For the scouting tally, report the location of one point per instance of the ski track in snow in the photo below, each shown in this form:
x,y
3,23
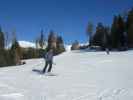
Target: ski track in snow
x,y
81,75
116,94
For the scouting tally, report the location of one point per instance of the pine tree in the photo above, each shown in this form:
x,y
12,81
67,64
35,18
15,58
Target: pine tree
x,y
114,32
90,32
2,39
60,45
75,45
99,35
15,51
2,50
52,39
121,30
106,38
42,40
118,35
129,28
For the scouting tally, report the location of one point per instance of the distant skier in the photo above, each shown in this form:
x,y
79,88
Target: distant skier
x,y
48,60
107,51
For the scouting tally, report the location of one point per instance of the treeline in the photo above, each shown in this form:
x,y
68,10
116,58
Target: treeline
x,y
12,55
117,37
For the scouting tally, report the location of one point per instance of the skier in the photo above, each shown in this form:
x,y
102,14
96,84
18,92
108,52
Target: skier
x,y
48,60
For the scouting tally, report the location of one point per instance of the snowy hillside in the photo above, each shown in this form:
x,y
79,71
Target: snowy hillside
x,y
79,76
27,44
68,47
24,44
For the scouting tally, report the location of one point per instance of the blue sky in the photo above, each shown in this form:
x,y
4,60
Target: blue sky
x,y
68,18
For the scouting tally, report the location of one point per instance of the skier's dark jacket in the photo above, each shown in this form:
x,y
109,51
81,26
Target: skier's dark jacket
x,y
49,56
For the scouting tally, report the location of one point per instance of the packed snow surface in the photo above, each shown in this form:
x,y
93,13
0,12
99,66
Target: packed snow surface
x,y
79,75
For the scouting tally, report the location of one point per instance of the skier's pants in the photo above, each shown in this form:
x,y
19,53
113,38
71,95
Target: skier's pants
x,y
46,65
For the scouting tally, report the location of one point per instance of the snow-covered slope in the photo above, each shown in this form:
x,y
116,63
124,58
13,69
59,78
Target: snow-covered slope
x,y
68,48
79,76
24,44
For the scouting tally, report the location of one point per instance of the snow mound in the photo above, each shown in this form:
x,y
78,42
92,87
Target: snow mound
x,y
26,44
68,47
84,44
116,94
